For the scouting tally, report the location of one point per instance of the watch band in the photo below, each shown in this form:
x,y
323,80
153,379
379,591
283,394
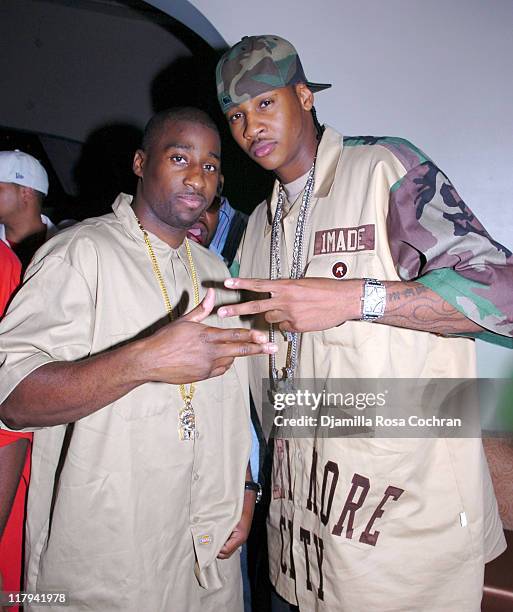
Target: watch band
x,y
256,487
374,299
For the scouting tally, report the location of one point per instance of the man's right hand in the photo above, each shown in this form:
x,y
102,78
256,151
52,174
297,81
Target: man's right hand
x,y
182,352
187,350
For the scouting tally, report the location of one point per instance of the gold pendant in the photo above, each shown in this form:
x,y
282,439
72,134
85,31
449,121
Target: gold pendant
x,y
187,422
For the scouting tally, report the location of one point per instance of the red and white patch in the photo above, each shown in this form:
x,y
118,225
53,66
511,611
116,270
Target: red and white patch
x,y
339,269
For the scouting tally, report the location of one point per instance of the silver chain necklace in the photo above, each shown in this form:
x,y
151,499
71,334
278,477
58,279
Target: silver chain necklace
x,y
296,272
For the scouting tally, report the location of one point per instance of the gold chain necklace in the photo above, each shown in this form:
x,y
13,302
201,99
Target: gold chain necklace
x,y
186,416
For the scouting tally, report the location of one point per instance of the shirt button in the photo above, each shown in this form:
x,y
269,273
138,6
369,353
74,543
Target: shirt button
x,y
195,476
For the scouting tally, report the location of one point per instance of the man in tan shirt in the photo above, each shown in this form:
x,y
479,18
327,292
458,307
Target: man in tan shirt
x,y
367,246
139,464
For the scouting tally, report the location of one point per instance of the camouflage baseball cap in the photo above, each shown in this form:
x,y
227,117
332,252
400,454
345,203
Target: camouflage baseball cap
x,y
258,64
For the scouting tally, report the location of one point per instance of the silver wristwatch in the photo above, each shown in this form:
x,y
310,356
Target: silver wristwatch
x,y
374,299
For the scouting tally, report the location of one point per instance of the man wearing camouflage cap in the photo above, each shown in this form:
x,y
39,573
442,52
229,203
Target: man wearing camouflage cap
x,y
377,270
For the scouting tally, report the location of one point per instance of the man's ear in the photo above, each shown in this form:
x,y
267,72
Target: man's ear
x,y
27,196
138,163
305,96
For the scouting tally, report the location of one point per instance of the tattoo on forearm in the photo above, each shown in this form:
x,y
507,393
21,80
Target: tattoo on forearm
x,y
426,311
396,296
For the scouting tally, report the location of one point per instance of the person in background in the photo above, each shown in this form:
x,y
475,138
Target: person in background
x,y
23,187
23,229
220,228
10,276
14,459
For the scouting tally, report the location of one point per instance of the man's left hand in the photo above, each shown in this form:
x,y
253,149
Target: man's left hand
x,y
240,532
307,304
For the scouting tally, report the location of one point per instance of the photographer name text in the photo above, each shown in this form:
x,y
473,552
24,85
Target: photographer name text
x,y
360,420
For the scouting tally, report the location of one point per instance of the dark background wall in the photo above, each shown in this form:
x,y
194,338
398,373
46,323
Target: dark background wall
x,y
85,76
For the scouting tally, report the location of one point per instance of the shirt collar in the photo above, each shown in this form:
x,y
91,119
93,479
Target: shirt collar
x,y
51,230
226,214
328,156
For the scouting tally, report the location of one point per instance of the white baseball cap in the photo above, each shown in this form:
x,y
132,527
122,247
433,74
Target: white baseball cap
x,y
23,169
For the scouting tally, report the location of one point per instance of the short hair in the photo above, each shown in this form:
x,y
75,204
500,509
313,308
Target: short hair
x,y
176,114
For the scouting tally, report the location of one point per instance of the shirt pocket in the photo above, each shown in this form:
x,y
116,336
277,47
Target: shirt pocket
x,y
351,335
344,266
148,400
154,399
158,398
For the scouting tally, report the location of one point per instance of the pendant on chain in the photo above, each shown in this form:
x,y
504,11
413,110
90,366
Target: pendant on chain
x,y
187,422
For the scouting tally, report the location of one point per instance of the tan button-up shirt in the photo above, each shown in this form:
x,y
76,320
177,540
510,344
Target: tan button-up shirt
x,y
122,515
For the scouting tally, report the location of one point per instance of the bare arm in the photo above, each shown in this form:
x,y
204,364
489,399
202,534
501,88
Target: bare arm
x,y
12,458
181,352
63,392
413,306
241,531
313,304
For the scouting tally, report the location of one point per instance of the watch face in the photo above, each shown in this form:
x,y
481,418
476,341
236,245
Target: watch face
x,y
374,300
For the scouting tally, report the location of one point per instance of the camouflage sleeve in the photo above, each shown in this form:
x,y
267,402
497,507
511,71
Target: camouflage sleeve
x,y
436,240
